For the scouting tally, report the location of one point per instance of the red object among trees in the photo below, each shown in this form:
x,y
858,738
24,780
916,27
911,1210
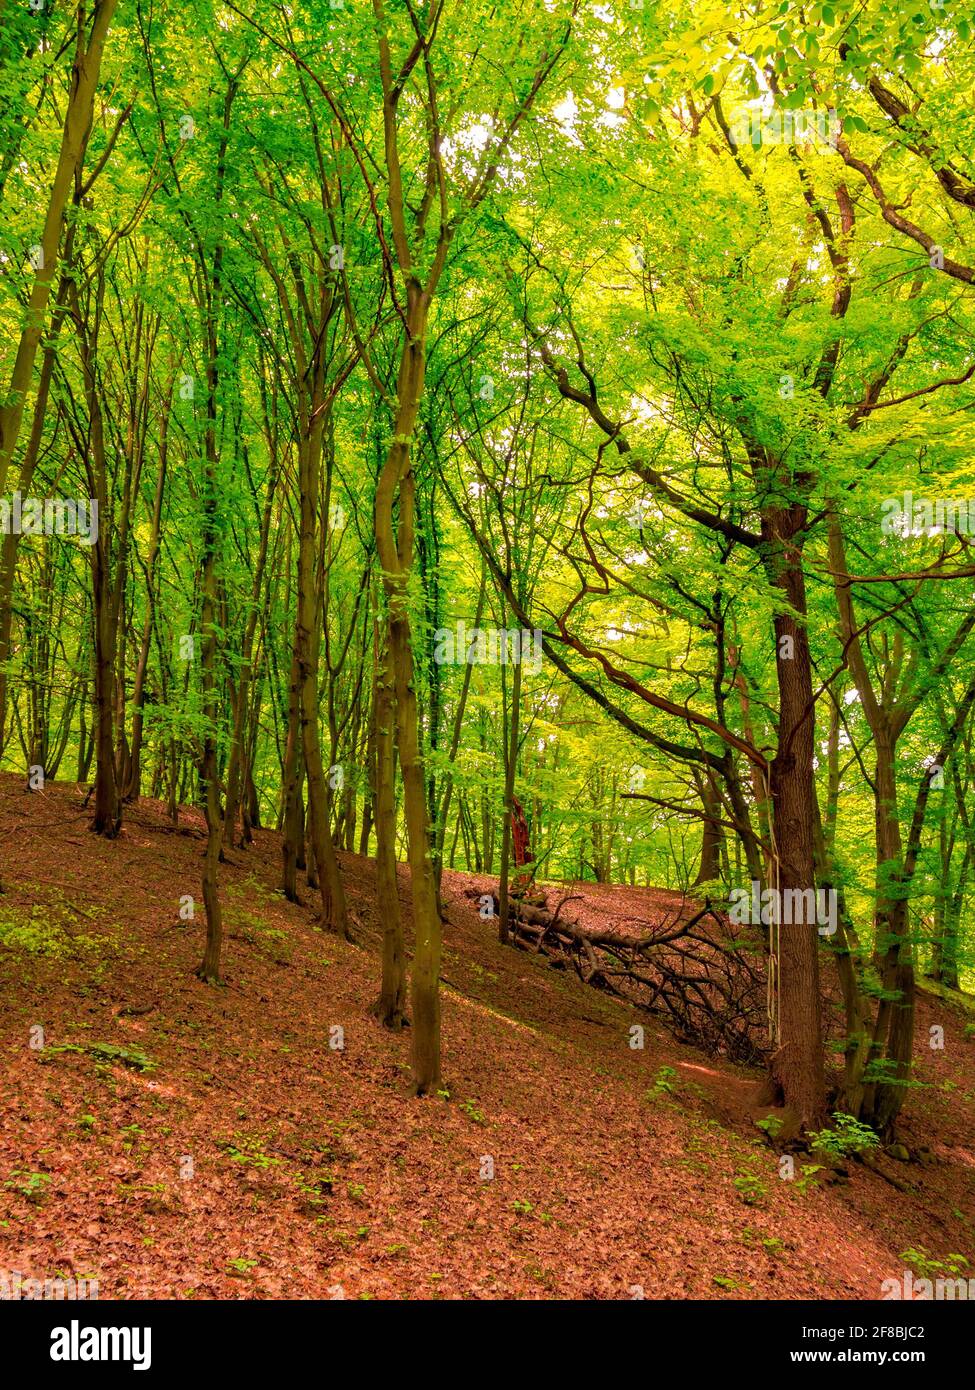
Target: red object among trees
x,y
519,833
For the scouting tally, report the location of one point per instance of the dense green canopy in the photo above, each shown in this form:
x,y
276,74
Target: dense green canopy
x,y
644,330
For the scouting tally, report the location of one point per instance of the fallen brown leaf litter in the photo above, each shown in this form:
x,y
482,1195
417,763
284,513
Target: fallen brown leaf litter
x,y
180,1141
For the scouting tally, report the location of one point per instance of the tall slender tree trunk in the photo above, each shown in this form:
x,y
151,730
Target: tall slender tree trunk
x,y
396,559
107,815
209,969
512,738
390,1008
307,644
77,126
235,765
292,822
132,787
894,1024
210,966
8,556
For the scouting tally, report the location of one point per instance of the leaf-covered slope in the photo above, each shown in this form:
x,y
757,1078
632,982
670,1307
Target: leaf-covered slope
x,y
180,1141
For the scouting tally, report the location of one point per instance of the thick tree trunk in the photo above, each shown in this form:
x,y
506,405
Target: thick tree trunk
x,y
797,1065
711,837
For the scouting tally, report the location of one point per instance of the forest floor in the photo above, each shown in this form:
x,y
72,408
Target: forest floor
x,y
181,1141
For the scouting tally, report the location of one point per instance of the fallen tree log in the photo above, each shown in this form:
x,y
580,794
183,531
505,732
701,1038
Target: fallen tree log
x,y
690,970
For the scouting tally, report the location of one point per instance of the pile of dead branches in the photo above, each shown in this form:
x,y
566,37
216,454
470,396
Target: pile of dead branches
x,y
688,969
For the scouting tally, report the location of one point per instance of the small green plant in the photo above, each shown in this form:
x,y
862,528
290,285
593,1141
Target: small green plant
x,y
663,1083
522,1207
241,1266
39,931
32,1186
771,1125
471,1111
807,1178
249,1150
315,1189
847,1136
750,1188
133,1057
926,1266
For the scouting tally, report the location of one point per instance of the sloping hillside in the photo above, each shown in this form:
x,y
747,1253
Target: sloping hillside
x,y
175,1140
